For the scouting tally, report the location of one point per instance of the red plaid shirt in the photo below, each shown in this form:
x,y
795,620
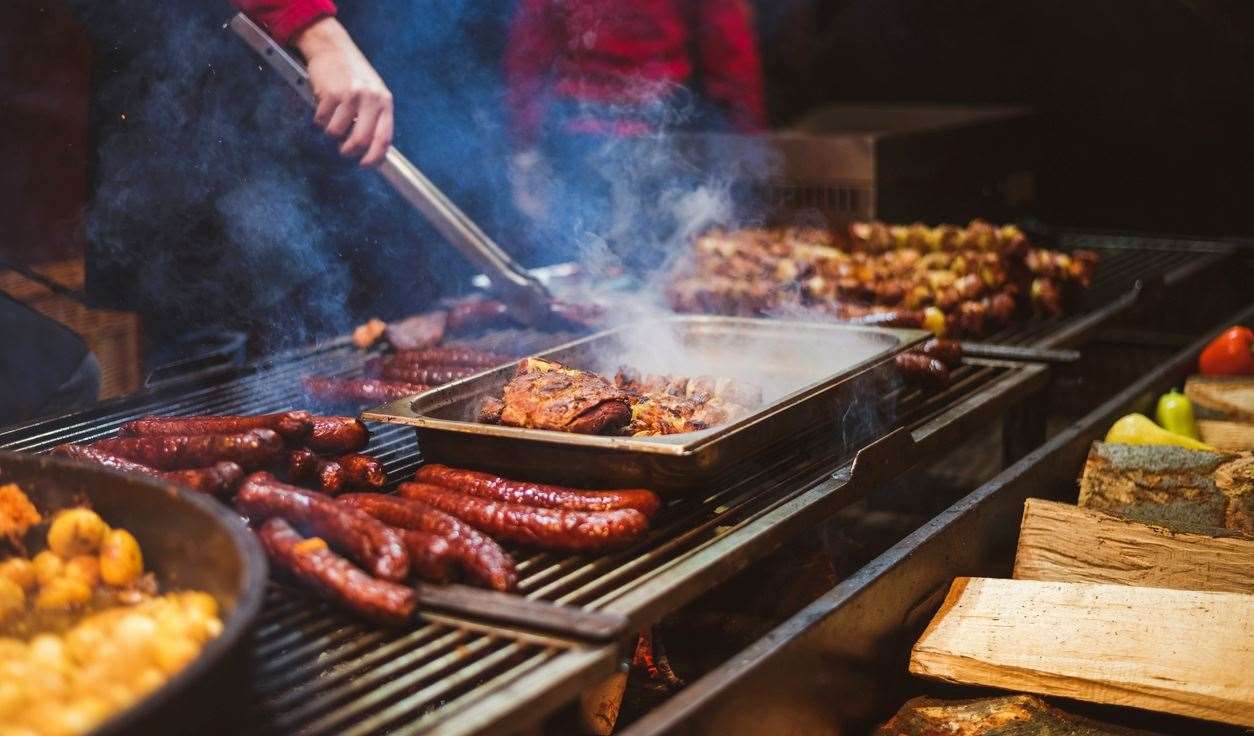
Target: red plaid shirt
x,y
283,18
623,53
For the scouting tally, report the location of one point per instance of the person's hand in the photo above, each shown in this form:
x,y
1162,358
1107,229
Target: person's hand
x,y
530,184
353,102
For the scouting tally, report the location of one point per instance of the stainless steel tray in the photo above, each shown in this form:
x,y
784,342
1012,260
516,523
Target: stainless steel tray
x,y
815,379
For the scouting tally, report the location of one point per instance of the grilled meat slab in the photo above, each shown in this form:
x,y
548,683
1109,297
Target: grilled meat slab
x,y
547,395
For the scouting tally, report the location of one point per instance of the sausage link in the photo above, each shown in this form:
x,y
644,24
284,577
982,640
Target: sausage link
x,y
451,357
217,480
922,370
255,448
362,537
335,577
486,485
330,475
557,529
293,426
426,375
359,390
430,555
299,465
362,471
337,435
477,314
478,555
948,352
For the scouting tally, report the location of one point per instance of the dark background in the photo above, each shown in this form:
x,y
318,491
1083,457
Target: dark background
x,y
1146,103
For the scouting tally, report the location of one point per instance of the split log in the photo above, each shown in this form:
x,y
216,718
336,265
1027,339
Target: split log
x,y
1174,651
1068,544
1184,490
1029,715
1222,397
1232,436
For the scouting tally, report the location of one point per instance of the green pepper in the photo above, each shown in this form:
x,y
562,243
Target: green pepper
x,y
1175,414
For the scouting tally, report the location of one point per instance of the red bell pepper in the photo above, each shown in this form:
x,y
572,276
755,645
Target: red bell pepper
x,y
1231,354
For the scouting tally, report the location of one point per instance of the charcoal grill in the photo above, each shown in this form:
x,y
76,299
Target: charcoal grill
x,y
841,661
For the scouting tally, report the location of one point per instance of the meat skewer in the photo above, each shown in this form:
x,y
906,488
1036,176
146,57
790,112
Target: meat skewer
x,y
558,529
338,435
293,426
257,448
479,556
216,480
359,390
310,561
359,535
486,485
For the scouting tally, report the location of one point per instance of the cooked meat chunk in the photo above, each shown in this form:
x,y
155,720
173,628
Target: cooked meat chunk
x,y
547,395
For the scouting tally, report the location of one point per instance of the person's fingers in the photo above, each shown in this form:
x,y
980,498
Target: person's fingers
x,y
363,129
326,107
342,119
382,138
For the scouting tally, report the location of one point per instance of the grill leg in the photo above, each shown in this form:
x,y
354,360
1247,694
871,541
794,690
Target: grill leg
x,y
1022,430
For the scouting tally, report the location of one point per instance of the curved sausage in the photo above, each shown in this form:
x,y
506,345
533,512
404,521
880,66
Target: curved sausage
x,y
293,426
426,375
451,357
478,555
362,537
922,370
557,529
948,352
338,435
299,465
486,485
217,480
256,448
312,563
430,555
477,314
359,390
362,471
330,476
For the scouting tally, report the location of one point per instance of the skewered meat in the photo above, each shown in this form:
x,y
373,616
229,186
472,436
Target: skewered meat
x,y
547,395
359,390
486,485
256,448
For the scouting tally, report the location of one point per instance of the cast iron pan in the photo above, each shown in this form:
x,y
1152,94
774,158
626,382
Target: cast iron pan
x,y
189,541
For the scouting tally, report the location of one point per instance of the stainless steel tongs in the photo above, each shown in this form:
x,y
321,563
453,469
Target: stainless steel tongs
x,y
510,280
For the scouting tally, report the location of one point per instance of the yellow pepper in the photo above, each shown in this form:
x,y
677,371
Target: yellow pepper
x,y
1137,429
1175,414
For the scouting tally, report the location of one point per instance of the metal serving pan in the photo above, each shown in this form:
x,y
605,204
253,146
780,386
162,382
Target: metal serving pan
x,y
189,541
811,375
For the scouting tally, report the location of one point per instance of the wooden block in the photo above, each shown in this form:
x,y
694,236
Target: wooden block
x,y
1231,436
1183,490
1175,651
1230,397
1022,715
1065,543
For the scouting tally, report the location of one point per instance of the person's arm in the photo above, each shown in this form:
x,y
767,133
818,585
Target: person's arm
x,y
353,102
533,46
729,67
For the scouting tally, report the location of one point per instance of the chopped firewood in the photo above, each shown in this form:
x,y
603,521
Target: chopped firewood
x,y
1181,489
1227,435
1021,715
1175,651
1065,543
1222,397
599,705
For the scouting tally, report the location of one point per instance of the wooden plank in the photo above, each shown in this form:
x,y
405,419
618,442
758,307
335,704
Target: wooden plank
x,y
1230,397
1227,435
1022,715
1065,543
1176,651
1184,490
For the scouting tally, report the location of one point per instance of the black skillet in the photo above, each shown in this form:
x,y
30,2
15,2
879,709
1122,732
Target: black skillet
x,y
189,541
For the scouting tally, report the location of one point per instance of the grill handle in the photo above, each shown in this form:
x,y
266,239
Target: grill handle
x,y
529,298
503,608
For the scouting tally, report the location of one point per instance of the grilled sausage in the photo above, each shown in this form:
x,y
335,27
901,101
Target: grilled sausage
x,y
338,435
430,555
359,390
486,485
362,471
922,370
478,555
362,537
948,352
330,476
477,314
426,375
293,426
557,529
311,562
255,448
299,465
217,480
451,357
